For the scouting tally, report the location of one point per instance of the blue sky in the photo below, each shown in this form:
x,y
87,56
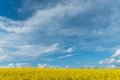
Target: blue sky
x,y
62,33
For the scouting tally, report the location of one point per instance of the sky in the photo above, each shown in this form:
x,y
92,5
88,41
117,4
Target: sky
x,y
60,33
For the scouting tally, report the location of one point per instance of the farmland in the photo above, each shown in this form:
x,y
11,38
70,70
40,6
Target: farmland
x,y
58,74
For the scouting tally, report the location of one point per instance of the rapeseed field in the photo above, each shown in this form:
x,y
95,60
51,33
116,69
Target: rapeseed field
x,y
58,74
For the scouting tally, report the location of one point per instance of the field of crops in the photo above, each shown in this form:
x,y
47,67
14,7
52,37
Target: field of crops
x,y
59,74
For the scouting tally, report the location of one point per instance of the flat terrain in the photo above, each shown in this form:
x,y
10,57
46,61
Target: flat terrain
x,y
58,74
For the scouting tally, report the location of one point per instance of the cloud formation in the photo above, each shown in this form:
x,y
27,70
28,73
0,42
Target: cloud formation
x,y
80,23
65,56
51,66
114,59
69,50
16,65
15,36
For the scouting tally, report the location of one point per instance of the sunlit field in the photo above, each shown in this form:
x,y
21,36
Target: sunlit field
x,y
58,74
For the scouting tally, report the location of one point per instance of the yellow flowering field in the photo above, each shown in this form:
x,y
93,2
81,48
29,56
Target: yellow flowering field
x,y
58,74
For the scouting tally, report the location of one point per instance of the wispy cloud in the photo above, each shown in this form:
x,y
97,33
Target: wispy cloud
x,y
47,66
69,50
16,35
80,23
65,56
33,50
107,61
114,59
16,65
51,66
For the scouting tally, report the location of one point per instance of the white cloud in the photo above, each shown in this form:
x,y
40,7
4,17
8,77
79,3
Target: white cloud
x,y
43,65
114,59
45,17
17,65
25,50
46,66
18,33
28,65
3,57
47,21
51,66
111,66
107,61
117,53
69,50
65,56
34,50
117,61
11,65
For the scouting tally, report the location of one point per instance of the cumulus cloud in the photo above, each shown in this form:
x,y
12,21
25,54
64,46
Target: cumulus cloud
x,y
28,65
11,65
107,61
113,59
51,66
18,65
43,65
47,66
23,65
117,53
